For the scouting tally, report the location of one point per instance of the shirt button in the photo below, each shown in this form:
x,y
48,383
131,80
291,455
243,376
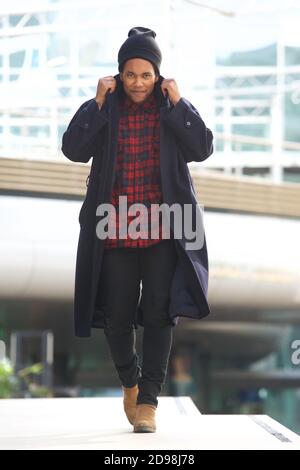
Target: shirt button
x,y
188,123
86,125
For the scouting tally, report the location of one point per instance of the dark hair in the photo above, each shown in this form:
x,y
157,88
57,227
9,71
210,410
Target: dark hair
x,y
155,69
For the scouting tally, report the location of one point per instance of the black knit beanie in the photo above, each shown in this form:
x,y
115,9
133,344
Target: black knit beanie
x,y
140,44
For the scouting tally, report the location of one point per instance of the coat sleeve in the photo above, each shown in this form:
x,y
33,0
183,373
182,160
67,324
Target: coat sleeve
x,y
196,140
83,135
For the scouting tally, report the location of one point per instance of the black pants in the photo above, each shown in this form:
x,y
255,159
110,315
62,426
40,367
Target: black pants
x,y
122,271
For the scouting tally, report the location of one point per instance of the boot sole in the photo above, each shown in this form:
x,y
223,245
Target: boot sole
x,y
144,429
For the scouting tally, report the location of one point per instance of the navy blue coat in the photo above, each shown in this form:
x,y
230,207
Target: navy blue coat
x,y
183,138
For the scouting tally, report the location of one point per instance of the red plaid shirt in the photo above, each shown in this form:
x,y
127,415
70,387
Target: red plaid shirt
x,y
137,171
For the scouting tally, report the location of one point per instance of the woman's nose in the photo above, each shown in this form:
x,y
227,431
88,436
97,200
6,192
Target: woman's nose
x,y
138,81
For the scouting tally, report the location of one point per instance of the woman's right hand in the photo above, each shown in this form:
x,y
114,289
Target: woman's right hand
x,y
105,84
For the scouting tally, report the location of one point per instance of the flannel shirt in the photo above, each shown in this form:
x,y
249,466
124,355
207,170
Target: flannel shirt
x,y
137,172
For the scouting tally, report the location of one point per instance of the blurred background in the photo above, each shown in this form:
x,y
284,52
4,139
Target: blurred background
x,y
239,64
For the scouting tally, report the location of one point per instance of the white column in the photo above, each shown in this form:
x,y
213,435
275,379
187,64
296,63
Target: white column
x,y
277,115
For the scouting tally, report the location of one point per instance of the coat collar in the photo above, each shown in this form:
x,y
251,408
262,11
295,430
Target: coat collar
x,y
163,101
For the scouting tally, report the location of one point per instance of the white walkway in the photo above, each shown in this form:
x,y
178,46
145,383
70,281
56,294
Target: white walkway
x,y
100,423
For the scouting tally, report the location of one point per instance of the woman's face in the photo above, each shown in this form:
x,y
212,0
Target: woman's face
x,y
138,79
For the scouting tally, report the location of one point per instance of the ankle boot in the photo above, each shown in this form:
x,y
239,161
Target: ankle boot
x,y
129,402
145,418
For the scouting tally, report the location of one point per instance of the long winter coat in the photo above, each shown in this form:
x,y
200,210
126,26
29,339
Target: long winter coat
x,y
183,138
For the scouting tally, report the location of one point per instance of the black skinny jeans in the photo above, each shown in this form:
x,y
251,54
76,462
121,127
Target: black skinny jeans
x,y
121,273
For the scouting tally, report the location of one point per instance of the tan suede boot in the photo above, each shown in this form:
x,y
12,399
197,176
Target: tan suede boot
x,y
129,402
145,418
